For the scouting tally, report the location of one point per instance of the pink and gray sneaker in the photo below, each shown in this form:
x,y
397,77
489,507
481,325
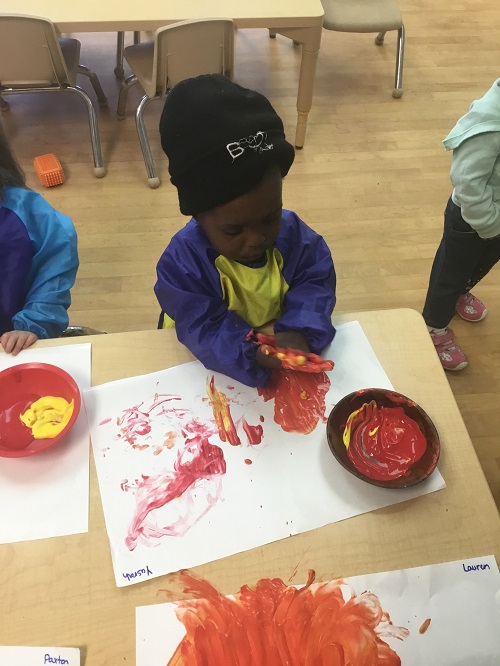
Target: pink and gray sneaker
x,y
450,354
470,308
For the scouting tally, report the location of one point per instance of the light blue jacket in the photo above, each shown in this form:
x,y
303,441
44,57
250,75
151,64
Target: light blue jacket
x,y
475,170
38,264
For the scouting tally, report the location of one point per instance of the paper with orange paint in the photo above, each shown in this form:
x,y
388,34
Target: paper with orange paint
x,y
185,457
369,620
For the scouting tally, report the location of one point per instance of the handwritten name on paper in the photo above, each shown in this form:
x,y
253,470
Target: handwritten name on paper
x,y
15,655
138,573
475,567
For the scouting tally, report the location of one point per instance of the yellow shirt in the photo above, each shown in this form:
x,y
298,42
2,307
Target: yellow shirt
x,y
255,294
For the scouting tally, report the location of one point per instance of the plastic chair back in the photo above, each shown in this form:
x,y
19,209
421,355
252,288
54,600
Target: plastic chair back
x,y
30,55
191,48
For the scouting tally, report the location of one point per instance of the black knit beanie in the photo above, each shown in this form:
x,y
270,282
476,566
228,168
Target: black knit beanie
x,y
220,139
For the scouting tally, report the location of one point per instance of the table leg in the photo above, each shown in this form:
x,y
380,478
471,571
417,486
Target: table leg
x,y
310,38
120,44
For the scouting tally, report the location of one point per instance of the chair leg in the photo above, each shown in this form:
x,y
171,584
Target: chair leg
x,y
153,180
379,39
99,169
398,83
4,106
120,45
122,97
272,33
96,84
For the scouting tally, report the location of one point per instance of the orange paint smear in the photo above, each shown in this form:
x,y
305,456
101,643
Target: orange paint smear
x,y
424,626
222,415
280,625
299,399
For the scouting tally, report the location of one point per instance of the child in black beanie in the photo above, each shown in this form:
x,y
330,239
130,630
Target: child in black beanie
x,y
241,262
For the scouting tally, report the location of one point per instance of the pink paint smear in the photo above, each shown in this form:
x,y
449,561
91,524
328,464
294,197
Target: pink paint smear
x,y
198,462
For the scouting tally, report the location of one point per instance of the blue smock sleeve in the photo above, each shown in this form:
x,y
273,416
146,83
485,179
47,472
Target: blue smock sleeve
x,y
52,272
188,291
308,270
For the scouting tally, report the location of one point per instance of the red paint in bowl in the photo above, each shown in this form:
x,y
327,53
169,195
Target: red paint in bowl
x,y
22,385
419,470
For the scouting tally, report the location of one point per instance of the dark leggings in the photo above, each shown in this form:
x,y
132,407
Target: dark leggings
x,y
463,259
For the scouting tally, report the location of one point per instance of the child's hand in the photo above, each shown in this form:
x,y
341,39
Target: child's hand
x,y
266,329
292,340
286,340
15,341
266,361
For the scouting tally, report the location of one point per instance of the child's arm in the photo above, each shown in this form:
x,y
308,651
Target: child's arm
x,y
473,164
52,273
211,332
310,300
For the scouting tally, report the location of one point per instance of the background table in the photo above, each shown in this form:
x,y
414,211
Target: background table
x,y
300,20
61,591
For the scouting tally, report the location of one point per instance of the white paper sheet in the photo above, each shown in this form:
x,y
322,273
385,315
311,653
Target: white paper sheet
x,y
292,485
39,656
463,607
47,495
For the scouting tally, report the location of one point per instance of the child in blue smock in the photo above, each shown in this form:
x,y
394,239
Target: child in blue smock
x,y
242,262
38,261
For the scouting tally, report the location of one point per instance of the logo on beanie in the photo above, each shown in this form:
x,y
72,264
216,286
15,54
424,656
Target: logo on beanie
x,y
255,142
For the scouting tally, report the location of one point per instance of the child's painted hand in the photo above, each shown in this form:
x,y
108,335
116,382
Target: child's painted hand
x,y
290,358
15,341
292,340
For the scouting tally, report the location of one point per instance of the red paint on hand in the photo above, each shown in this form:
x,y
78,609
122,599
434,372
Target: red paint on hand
x,y
299,399
292,359
383,443
279,625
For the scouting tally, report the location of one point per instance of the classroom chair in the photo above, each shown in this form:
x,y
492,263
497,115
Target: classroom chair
x,y
379,16
179,51
34,59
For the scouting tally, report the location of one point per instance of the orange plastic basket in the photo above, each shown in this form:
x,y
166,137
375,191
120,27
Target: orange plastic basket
x,y
49,170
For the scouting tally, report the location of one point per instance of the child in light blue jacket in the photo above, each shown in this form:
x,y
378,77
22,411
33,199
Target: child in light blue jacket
x,y
38,261
470,246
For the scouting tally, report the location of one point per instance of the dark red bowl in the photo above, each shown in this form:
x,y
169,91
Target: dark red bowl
x,y
22,385
420,470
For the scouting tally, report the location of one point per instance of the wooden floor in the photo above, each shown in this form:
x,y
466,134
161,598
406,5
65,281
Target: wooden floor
x,y
373,177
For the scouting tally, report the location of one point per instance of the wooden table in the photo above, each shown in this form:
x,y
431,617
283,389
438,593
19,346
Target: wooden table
x,y
61,591
300,20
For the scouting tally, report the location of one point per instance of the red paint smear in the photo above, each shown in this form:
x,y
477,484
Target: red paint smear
x,y
222,415
299,399
136,422
383,441
279,625
261,418
199,460
248,461
253,433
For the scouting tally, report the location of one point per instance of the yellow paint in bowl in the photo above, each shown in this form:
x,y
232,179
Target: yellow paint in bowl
x,y
48,416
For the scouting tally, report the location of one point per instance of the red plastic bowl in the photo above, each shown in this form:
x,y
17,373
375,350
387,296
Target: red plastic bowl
x,y
22,385
420,470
